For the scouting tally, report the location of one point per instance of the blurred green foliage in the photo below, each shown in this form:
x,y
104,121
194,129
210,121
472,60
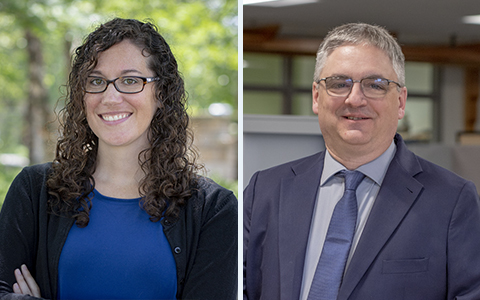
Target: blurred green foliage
x,y
201,33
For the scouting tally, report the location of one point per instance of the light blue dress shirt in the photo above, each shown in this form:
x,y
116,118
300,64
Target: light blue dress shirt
x,y
330,191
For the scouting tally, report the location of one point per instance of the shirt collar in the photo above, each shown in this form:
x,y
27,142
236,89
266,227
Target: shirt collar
x,y
375,170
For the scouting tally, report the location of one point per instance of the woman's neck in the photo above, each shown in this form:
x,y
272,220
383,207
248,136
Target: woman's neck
x,y
118,172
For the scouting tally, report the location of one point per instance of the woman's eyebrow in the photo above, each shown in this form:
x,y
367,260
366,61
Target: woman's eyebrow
x,y
130,71
96,72
122,73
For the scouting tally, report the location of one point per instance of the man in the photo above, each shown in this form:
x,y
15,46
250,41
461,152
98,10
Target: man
x,y
415,232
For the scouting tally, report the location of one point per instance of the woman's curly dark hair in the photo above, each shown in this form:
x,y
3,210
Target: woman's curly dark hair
x,y
170,161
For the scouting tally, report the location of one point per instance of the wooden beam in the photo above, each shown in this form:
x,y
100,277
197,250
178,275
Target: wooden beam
x,y
472,85
259,35
443,55
265,41
282,46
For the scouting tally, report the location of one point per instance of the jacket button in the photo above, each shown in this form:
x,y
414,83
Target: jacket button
x,y
177,250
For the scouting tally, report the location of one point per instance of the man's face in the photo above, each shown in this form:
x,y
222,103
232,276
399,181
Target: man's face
x,y
356,124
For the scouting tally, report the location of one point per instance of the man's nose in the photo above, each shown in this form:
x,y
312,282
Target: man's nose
x,y
356,97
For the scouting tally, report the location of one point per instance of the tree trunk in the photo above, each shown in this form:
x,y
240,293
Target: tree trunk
x,y
37,111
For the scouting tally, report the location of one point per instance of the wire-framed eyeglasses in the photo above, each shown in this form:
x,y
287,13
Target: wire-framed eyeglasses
x,y
125,84
372,87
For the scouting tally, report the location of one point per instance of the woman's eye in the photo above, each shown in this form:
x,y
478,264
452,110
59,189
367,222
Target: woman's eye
x,y
97,81
129,81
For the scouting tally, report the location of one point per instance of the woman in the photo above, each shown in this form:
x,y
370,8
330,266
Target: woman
x,y
120,213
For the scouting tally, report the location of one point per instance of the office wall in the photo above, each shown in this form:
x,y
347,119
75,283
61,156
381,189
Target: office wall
x,y
452,104
272,140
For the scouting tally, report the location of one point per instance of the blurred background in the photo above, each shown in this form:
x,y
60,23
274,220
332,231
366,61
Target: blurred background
x,y
38,37
441,43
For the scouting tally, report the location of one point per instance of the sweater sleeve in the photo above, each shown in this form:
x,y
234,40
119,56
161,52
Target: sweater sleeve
x,y
18,232
214,272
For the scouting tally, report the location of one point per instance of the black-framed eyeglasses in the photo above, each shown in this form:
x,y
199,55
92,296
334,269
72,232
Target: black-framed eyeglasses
x,y
372,87
125,84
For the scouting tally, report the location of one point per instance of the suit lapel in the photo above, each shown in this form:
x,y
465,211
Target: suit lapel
x,y
297,200
396,196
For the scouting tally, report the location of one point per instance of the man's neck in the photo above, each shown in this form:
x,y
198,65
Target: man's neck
x,y
353,157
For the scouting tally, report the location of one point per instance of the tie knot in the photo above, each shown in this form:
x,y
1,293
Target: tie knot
x,y
352,179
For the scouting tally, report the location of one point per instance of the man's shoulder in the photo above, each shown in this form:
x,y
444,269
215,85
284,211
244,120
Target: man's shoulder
x,y
274,175
425,171
297,165
431,175
440,175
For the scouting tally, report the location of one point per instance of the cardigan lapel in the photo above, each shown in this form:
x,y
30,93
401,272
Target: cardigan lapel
x,y
398,193
297,200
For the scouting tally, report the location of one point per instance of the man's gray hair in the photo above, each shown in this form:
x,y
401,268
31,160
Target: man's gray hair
x,y
361,34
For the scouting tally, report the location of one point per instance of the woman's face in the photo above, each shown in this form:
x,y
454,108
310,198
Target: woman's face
x,y
118,119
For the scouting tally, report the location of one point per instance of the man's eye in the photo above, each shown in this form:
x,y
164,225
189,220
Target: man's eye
x,y
377,85
338,85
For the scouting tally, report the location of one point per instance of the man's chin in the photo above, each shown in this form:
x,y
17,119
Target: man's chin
x,y
355,138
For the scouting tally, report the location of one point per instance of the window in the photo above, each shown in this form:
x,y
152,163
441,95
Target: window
x,y
277,84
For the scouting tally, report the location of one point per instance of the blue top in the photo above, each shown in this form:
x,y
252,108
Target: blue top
x,y
121,254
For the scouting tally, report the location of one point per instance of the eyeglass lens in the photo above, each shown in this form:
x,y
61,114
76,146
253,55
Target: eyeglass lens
x,y
130,84
371,87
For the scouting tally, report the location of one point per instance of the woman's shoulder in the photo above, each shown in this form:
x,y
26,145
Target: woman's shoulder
x,y
211,188
34,173
212,195
40,169
28,190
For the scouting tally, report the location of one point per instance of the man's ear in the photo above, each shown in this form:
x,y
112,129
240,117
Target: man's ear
x,y
315,95
402,102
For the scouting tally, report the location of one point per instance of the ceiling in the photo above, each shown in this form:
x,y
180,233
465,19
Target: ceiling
x,y
414,22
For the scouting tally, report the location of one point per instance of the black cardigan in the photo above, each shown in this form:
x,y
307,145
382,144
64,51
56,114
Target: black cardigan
x,y
203,239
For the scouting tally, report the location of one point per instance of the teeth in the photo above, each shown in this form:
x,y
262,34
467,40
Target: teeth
x,y
352,118
114,117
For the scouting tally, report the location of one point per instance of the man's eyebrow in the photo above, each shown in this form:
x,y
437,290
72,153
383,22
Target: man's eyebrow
x,y
371,76
374,76
340,76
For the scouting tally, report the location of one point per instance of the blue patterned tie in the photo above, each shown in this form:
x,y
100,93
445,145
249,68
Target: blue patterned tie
x,y
331,265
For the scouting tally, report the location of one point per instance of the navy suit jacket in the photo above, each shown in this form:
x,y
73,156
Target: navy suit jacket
x,y
421,240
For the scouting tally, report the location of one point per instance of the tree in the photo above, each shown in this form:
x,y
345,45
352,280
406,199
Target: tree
x,y
38,109
28,15
38,35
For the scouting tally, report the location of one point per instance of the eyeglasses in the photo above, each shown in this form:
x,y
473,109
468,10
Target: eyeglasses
x,y
338,86
126,85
